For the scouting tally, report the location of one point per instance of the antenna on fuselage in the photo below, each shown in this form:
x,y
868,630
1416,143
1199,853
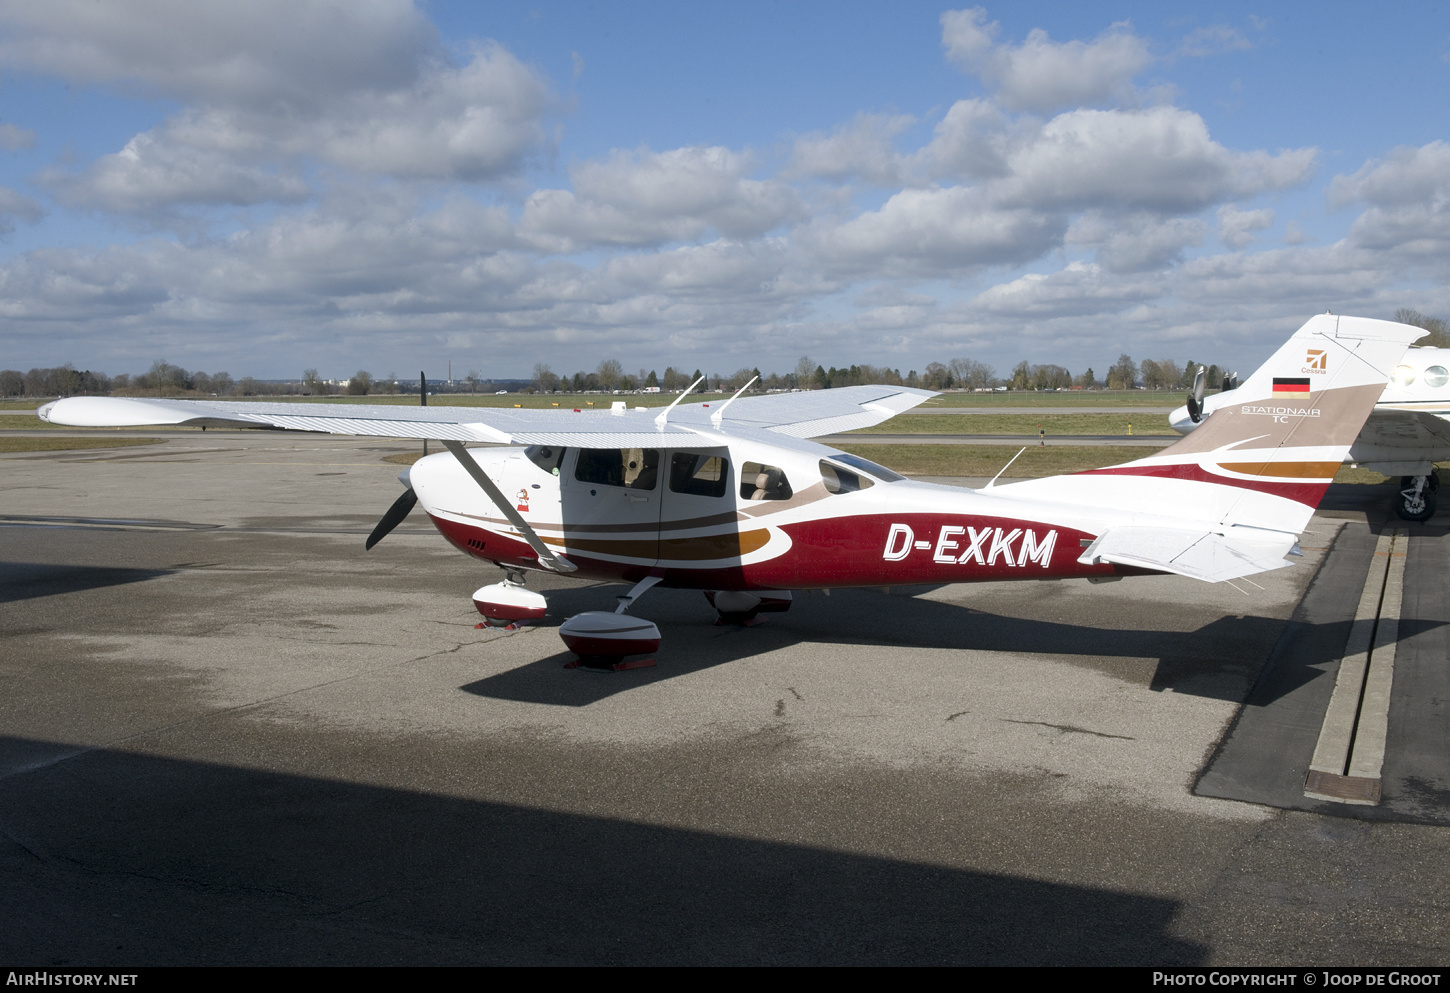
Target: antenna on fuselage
x,y
423,392
665,414
719,415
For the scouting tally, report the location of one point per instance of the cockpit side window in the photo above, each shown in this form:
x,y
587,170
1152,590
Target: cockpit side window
x,y
631,468
546,457
867,466
763,482
839,479
699,475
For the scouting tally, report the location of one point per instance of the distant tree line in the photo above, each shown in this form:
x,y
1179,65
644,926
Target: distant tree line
x,y
165,379
1439,336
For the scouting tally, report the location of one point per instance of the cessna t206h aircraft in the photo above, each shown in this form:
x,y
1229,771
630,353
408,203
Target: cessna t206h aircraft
x,y
731,498
1407,432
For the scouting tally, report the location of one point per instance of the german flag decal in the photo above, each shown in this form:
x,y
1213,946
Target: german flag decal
x,y
1293,388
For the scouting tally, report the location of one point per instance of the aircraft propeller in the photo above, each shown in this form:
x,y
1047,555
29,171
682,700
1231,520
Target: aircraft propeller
x,y
1195,396
400,509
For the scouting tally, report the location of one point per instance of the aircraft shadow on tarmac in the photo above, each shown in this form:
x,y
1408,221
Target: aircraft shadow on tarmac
x,y
28,580
1217,660
129,858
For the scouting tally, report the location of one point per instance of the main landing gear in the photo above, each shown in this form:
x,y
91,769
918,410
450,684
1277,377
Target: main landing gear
x,y
607,640
742,608
1417,498
599,639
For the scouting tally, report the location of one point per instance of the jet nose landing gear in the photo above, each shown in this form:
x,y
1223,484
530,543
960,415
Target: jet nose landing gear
x,y
1417,497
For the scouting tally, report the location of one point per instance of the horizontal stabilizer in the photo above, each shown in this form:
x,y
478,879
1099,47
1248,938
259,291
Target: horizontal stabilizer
x,y
1198,554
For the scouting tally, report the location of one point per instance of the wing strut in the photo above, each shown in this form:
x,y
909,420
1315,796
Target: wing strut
x,y
547,558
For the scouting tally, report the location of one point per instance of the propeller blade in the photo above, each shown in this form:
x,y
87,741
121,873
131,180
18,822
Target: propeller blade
x,y
399,510
1195,398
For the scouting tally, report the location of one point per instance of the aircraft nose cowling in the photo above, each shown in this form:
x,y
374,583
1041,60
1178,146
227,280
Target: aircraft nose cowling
x,y
44,412
1180,421
430,476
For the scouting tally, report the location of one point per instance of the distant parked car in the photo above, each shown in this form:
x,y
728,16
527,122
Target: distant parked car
x,y
500,393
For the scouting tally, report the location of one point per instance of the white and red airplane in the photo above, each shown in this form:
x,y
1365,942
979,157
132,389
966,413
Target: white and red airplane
x,y
1406,434
731,498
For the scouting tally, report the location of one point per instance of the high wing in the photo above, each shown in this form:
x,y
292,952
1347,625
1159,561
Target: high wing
x,y
792,415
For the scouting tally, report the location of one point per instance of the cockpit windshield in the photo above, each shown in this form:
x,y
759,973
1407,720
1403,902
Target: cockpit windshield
x,y
546,457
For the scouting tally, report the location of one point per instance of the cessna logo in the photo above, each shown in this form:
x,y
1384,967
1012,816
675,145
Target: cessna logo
x,y
1316,361
984,546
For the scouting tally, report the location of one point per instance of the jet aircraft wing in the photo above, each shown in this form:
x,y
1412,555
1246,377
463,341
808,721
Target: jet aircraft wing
x,y
1406,425
795,415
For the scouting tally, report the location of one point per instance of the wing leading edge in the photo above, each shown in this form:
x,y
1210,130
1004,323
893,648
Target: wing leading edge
x,y
795,415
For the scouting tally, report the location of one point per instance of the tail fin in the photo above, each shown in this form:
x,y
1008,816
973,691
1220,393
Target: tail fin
x,y
1265,458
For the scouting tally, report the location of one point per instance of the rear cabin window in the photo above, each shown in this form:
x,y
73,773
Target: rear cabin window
x,y
839,479
763,482
546,457
631,468
699,475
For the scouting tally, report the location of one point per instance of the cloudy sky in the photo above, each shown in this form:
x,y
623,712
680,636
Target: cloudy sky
x,y
379,184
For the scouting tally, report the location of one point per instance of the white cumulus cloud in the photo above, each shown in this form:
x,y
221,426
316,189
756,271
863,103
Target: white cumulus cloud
x,y
863,148
268,87
1236,227
1040,74
939,230
1160,158
645,197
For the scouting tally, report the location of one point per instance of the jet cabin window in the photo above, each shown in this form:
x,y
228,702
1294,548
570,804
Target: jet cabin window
x,y
763,482
698,475
546,457
631,468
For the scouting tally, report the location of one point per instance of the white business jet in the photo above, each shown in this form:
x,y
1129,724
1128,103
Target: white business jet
x,y
1405,435
731,498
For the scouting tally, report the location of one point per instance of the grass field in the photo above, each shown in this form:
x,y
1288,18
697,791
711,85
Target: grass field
x,y
1056,425
1093,398
69,444
1036,462
1077,398
988,460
